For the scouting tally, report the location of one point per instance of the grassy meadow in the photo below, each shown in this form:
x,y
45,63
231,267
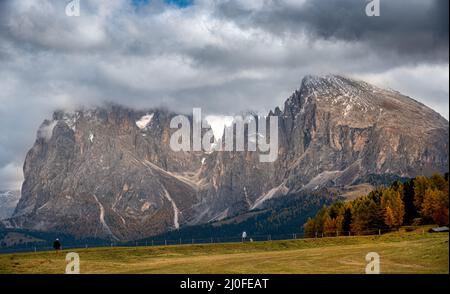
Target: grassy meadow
x,y
400,252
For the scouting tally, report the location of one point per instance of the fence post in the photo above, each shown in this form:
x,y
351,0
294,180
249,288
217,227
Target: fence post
x,y
316,234
34,248
180,240
211,240
86,246
322,234
192,240
165,242
379,232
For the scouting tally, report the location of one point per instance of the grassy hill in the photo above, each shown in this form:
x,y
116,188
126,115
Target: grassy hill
x,y
400,252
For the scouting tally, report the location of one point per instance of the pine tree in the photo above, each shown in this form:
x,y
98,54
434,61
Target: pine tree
x,y
329,227
339,220
321,217
310,228
440,213
347,221
438,182
393,207
387,207
421,184
408,199
389,218
367,216
435,206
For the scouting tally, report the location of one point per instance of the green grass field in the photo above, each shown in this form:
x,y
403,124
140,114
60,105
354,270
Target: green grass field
x,y
401,252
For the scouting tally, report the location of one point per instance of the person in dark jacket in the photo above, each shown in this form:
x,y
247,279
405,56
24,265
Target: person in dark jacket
x,y
57,245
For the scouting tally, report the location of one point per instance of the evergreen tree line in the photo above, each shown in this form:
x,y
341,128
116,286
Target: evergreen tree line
x,y
417,201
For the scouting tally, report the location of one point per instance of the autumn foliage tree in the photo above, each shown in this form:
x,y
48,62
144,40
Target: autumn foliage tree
x,y
435,206
393,207
385,208
309,228
431,198
421,184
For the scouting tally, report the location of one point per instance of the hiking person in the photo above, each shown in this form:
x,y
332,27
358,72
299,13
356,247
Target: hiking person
x,y
244,236
57,245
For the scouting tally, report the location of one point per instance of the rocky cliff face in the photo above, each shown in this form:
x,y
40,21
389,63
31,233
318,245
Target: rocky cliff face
x,y
8,202
109,172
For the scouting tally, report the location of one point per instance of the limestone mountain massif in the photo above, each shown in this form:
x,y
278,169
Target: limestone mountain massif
x,y
109,171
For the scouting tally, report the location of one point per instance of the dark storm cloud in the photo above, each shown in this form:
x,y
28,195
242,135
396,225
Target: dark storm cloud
x,y
409,27
224,56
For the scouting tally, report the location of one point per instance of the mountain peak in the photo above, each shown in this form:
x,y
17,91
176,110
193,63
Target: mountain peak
x,y
358,103
336,84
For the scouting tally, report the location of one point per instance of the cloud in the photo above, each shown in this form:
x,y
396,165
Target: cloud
x,y
414,28
11,175
413,81
224,56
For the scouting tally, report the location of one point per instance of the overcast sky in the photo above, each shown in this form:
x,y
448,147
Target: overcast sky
x,y
224,56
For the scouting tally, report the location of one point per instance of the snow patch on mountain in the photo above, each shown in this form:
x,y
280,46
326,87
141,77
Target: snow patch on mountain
x,y
144,121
